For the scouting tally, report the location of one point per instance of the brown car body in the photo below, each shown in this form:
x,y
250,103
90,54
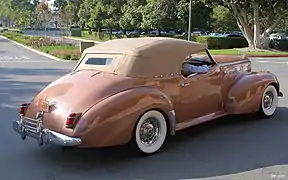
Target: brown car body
x,y
144,74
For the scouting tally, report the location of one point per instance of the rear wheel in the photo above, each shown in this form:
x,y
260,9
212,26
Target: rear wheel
x,y
269,102
150,132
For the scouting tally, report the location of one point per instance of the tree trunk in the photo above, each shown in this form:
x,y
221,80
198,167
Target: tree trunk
x,y
265,41
257,42
245,29
253,36
242,23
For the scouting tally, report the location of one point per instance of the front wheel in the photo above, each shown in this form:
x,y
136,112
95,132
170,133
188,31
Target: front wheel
x,y
269,102
150,132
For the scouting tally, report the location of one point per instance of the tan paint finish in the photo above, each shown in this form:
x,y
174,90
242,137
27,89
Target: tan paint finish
x,y
112,100
132,54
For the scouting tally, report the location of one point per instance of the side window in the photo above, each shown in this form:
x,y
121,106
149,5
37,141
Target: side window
x,y
196,63
99,61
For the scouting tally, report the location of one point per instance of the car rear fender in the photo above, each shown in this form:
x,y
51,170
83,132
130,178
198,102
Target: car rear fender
x,y
245,95
112,121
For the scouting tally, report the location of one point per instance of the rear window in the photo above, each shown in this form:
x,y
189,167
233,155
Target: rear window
x,y
99,61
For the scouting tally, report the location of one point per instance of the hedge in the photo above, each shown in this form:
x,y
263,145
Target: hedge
x,y
279,44
222,42
212,42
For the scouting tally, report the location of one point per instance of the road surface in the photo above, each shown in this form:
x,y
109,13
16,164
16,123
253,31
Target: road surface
x,y
229,148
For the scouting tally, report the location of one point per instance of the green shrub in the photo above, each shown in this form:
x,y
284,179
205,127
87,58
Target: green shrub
x,y
212,42
279,44
66,54
75,56
102,36
222,42
23,39
99,36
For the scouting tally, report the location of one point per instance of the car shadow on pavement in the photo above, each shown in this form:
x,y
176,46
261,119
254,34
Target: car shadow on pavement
x,y
225,146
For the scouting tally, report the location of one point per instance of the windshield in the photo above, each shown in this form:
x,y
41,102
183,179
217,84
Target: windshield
x,y
202,55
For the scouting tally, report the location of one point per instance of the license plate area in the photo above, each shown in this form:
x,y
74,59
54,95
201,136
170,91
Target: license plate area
x,y
43,105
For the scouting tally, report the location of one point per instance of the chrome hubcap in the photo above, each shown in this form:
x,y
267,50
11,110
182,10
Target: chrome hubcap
x,y
149,131
268,100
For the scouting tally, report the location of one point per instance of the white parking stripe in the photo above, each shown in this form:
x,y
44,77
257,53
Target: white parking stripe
x,y
24,61
275,62
14,58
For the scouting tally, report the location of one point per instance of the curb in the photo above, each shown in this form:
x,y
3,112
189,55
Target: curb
x,y
80,39
36,51
268,56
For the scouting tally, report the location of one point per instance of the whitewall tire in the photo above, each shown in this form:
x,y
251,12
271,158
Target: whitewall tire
x,y
269,101
150,132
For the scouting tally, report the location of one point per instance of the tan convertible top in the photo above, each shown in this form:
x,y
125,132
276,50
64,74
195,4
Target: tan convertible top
x,y
142,57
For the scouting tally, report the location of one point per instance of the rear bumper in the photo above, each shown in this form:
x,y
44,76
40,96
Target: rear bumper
x,y
42,135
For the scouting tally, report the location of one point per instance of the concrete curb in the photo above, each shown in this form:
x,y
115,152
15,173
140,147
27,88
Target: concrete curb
x,y
80,39
36,51
268,56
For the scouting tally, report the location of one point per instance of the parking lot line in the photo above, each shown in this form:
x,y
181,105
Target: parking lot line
x,y
274,62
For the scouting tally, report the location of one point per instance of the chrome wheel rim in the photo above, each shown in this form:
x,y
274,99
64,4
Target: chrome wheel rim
x,y
268,100
149,131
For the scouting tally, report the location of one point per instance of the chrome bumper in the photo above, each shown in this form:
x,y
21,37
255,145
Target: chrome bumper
x,y
43,136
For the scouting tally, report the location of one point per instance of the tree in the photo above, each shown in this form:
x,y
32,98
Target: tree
x,y
111,12
60,4
20,12
200,14
96,14
43,13
84,12
257,18
132,14
74,6
159,14
223,20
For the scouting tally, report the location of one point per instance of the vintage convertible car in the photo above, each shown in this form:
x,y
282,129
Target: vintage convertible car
x,y
136,90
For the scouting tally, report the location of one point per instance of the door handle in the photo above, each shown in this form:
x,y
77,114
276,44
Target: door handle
x,y
184,84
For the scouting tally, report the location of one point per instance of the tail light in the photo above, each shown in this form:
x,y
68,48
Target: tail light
x,y
22,109
72,119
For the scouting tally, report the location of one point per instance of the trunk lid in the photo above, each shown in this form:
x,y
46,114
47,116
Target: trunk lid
x,y
76,92
228,58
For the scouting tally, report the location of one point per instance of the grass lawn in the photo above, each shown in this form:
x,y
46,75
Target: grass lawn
x,y
49,49
240,52
63,51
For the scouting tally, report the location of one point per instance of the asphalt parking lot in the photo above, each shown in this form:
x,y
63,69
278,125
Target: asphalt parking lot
x,y
229,148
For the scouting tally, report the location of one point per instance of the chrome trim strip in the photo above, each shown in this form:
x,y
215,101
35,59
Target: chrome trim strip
x,y
235,63
45,136
172,123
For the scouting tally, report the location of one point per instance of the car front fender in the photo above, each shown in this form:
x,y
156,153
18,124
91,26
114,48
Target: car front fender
x,y
245,95
112,121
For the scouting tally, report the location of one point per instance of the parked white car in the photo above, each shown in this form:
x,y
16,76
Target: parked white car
x,y
278,36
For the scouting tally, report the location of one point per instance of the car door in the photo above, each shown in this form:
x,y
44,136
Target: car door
x,y
200,94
